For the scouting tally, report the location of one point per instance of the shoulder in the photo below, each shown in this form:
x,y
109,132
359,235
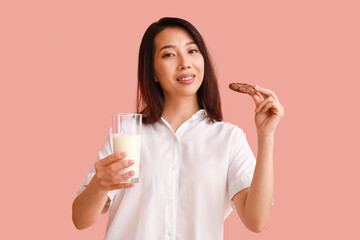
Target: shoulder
x,y
226,127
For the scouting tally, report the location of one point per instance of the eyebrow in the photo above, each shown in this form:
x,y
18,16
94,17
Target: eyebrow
x,y
173,46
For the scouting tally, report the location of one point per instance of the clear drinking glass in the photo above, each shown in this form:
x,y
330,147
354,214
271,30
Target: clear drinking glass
x,y
126,131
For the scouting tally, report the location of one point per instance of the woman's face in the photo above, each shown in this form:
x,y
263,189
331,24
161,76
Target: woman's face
x,y
178,63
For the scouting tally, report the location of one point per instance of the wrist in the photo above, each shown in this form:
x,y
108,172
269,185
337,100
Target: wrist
x,y
270,136
95,186
265,142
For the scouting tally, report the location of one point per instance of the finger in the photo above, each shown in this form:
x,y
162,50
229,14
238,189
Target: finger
x,y
257,97
113,157
263,103
268,106
123,177
123,185
267,92
114,167
274,107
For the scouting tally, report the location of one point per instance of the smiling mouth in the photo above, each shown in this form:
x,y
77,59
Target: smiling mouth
x,y
186,78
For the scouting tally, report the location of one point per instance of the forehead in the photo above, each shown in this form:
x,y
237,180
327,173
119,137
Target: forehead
x,y
172,36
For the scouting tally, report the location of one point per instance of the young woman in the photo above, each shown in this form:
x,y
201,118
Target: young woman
x,y
196,168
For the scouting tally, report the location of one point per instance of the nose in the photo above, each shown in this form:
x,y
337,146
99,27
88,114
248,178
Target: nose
x,y
183,62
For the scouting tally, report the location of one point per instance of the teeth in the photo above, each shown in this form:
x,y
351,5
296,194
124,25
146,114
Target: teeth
x,y
184,79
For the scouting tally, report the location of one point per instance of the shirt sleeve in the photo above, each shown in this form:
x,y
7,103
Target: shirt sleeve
x,y
105,151
241,164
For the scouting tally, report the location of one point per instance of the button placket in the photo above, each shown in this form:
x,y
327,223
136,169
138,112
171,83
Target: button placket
x,y
173,189
176,153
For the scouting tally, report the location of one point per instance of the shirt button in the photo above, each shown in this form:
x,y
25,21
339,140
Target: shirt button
x,y
170,233
174,168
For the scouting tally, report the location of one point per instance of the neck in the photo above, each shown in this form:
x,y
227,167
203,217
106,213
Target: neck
x,y
180,109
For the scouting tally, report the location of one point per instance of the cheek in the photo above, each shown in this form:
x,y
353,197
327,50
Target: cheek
x,y
163,73
200,63
159,70
201,66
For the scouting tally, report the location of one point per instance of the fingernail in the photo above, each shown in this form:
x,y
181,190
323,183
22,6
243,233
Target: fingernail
x,y
131,161
131,173
257,86
123,154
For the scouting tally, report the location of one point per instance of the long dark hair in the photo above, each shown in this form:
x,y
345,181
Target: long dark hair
x,y
150,98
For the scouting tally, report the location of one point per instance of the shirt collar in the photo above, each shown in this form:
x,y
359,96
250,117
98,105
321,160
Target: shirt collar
x,y
199,114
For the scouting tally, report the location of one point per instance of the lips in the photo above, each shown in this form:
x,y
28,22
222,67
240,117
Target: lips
x,y
187,80
185,77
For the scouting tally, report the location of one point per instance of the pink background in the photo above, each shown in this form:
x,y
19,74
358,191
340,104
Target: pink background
x,y
66,66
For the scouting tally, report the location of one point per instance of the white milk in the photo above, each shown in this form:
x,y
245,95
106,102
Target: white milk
x,y
129,143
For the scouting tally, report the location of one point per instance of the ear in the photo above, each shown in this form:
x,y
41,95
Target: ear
x,y
155,79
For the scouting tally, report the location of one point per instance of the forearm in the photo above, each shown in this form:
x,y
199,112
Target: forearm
x,y
259,200
88,205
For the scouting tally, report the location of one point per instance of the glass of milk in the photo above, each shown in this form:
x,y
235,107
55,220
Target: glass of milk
x,y
126,131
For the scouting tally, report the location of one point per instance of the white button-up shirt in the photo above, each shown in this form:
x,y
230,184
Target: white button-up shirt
x,y
187,181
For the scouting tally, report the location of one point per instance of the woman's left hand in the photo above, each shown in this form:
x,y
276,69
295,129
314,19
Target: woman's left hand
x,y
268,110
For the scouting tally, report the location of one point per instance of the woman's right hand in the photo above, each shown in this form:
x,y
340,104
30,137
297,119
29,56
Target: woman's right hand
x,y
106,172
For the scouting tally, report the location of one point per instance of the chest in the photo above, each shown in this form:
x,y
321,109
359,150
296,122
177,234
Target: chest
x,y
187,159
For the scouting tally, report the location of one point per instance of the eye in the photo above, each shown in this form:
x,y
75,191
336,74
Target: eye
x,y
167,55
193,51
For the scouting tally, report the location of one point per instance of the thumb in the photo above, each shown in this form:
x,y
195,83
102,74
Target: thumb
x,y
257,97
